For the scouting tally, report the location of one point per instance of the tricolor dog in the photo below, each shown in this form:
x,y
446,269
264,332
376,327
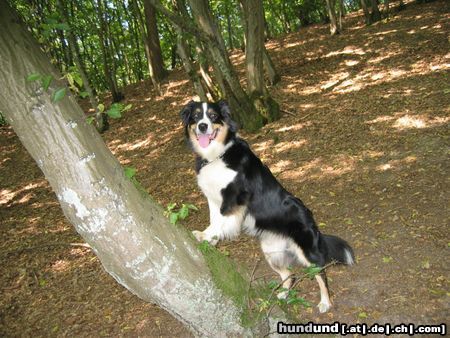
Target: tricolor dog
x,y
243,194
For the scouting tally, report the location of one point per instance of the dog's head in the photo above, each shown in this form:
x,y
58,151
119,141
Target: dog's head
x,y
208,127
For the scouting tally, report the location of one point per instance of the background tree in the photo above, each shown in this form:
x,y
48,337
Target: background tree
x,y
331,7
113,39
109,63
101,119
255,54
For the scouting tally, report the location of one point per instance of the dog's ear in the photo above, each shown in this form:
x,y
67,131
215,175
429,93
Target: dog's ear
x,y
226,115
186,112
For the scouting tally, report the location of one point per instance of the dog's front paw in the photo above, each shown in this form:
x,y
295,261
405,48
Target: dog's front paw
x,y
201,236
324,307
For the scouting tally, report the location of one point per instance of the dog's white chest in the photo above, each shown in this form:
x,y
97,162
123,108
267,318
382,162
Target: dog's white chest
x,y
213,177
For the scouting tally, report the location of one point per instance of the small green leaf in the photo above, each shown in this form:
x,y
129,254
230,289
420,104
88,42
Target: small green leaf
x,y
173,218
90,119
83,94
46,81
130,172
272,284
312,270
101,107
70,79
322,225
298,300
387,259
114,113
184,212
127,107
362,315
77,78
42,282
59,94
34,77
191,206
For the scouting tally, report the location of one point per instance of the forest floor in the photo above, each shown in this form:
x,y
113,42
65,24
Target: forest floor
x,y
365,144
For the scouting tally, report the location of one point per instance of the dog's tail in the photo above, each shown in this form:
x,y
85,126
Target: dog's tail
x,y
338,250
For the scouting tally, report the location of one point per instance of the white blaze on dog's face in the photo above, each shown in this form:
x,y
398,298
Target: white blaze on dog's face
x,y
209,127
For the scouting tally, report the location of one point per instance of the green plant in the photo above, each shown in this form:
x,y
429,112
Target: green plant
x,y
180,214
3,121
46,80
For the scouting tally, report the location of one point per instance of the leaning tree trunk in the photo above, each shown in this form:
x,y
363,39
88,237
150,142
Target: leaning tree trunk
x,y
331,7
245,112
184,52
254,60
135,243
207,31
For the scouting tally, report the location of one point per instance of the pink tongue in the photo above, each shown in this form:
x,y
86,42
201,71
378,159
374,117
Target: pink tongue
x,y
204,140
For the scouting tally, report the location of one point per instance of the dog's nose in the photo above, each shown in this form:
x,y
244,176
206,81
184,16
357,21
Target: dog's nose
x,y
203,127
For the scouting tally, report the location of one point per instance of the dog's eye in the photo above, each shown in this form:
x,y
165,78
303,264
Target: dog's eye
x,y
213,116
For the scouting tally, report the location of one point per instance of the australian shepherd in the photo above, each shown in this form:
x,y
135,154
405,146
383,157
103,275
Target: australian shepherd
x,y
243,194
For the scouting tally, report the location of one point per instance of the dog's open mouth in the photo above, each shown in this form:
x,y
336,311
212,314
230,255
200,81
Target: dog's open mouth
x,y
205,139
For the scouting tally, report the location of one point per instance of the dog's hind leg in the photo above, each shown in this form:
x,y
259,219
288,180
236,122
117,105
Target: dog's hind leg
x,y
280,260
325,302
321,278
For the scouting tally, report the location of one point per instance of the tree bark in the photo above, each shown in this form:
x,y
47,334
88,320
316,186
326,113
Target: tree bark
x,y
331,7
152,39
135,243
367,16
254,60
376,15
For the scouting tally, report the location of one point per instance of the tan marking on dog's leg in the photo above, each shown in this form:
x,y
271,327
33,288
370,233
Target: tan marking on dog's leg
x,y
325,302
288,281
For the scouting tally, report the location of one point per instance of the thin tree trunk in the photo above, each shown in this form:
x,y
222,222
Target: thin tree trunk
x,y
108,66
152,38
185,55
146,44
376,15
101,119
367,16
254,58
272,74
341,13
135,243
210,86
229,28
331,7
